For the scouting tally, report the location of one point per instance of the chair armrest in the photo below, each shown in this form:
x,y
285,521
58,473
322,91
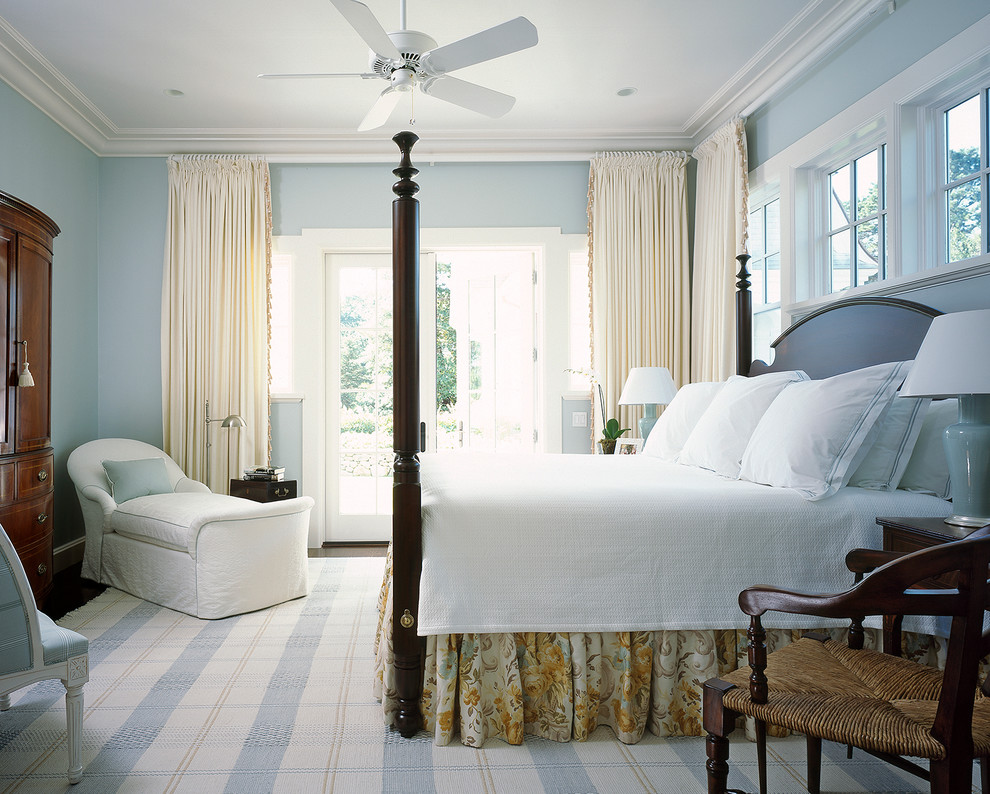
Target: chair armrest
x,y
96,494
868,560
887,591
186,485
856,602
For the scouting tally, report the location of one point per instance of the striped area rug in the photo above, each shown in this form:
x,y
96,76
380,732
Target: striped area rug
x,y
280,700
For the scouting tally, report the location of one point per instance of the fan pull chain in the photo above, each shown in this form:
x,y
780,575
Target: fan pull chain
x,y
412,107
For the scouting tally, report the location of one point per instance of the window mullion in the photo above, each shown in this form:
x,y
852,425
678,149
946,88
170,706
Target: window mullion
x,y
984,163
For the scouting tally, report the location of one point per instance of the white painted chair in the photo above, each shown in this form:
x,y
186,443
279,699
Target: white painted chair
x,y
33,648
177,544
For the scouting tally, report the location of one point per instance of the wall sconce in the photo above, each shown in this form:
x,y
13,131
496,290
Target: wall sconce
x,y
25,378
232,420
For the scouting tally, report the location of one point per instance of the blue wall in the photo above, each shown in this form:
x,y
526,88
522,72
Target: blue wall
x,y
46,167
133,203
108,259
452,195
886,45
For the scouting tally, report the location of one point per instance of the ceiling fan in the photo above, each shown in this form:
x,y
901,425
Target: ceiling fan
x,y
408,58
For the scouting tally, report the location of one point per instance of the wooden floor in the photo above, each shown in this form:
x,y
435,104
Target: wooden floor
x,y
71,591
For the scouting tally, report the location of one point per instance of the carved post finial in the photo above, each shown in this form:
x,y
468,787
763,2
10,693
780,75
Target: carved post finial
x,y
406,171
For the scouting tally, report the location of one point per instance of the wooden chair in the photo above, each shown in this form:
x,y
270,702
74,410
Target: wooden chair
x,y
885,705
33,648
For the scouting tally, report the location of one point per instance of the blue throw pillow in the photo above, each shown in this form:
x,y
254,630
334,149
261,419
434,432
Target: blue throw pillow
x,y
133,478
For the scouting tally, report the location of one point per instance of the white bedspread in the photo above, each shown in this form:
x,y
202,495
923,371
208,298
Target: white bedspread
x,y
603,543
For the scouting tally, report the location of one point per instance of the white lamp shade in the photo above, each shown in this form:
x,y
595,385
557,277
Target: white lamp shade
x,y
954,358
648,386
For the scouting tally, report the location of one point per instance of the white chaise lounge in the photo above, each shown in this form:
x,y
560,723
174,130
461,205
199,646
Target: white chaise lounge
x,y
172,541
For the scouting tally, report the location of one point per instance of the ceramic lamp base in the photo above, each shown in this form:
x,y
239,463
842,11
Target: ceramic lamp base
x,y
967,452
646,423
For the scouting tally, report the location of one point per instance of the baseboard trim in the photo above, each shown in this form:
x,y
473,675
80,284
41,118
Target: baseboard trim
x,y
377,544
68,554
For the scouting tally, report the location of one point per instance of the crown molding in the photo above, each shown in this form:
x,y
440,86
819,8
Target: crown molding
x,y
804,42
447,145
32,76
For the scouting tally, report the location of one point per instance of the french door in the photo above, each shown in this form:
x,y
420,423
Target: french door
x,y
476,371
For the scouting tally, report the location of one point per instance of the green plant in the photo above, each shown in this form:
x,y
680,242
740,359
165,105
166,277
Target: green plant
x,y
612,430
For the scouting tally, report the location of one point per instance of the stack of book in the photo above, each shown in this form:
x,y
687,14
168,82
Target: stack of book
x,y
267,473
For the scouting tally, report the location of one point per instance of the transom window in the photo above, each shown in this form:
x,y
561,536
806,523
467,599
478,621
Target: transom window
x,y
857,221
964,178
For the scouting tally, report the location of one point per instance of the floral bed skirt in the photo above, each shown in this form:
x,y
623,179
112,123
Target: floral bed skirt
x,y
563,686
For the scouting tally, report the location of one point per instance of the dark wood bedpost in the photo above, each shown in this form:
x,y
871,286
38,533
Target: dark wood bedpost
x,y
407,548
744,318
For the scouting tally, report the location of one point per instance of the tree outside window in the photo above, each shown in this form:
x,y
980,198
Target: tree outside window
x,y
965,176
857,221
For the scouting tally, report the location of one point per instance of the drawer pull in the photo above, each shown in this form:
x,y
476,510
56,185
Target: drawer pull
x,y
42,518
42,569
42,475
281,492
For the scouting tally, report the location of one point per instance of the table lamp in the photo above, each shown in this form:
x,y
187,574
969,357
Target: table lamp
x,y
649,386
954,361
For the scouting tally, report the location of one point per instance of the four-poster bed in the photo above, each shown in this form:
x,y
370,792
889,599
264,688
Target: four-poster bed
x,y
737,529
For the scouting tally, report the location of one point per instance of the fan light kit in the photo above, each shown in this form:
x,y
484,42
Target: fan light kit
x,y
408,58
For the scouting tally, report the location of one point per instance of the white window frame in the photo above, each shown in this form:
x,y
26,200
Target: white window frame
x,y
309,324
980,89
905,112
851,227
759,199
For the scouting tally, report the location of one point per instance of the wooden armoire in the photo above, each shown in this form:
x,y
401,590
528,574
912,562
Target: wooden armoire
x,y
26,455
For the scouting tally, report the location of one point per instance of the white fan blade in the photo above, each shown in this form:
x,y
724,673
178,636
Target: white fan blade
x,y
512,36
319,75
469,95
368,28
381,110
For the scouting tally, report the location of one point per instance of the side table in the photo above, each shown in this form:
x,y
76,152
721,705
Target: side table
x,y
264,490
913,534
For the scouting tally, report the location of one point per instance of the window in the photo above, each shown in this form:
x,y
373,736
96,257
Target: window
x,y
964,179
856,243
764,268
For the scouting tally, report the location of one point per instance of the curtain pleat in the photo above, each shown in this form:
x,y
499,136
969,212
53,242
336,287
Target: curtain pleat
x,y
720,227
215,314
637,212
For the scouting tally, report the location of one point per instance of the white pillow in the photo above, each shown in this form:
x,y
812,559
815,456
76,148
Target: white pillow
x,y
678,419
884,464
721,434
927,470
811,438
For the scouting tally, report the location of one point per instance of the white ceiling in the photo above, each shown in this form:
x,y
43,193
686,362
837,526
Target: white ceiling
x,y
101,68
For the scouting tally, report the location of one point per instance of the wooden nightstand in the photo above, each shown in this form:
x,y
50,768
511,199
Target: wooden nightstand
x,y
913,534
264,490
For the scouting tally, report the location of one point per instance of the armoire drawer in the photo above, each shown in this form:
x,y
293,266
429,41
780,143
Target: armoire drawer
x,y
7,480
37,562
26,522
34,476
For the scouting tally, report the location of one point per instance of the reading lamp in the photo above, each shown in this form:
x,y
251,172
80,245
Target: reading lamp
x,y
232,420
649,386
954,361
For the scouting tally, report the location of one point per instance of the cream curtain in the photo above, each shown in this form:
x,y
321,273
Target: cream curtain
x,y
639,270
215,308
719,236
